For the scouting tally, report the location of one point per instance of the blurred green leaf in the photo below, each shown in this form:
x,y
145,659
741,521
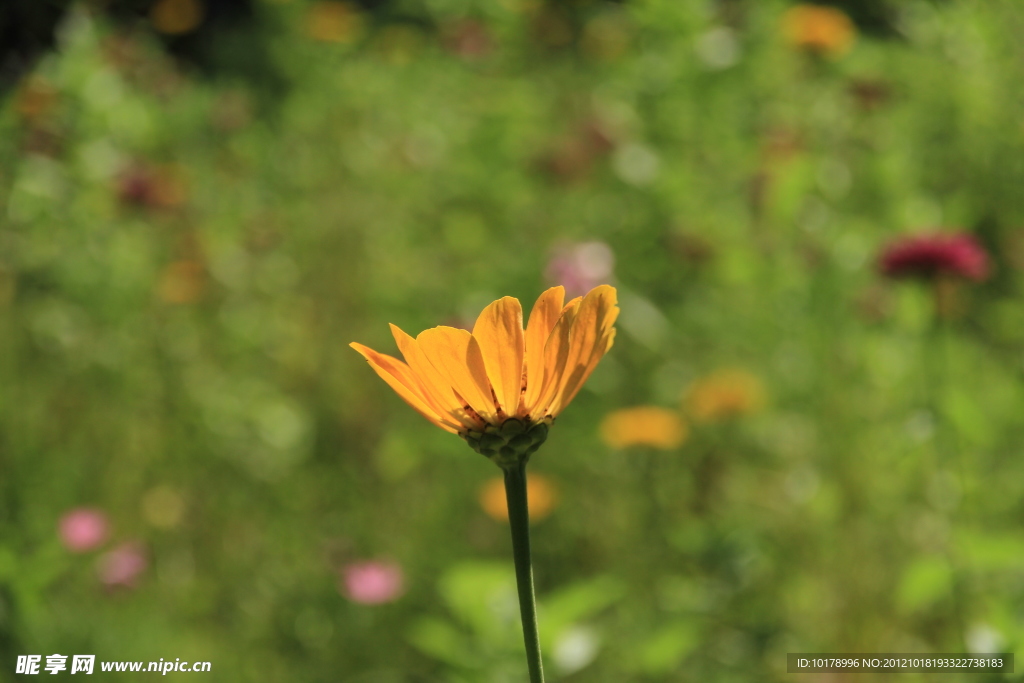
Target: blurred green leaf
x,y
969,417
482,595
992,551
924,582
578,601
664,650
441,640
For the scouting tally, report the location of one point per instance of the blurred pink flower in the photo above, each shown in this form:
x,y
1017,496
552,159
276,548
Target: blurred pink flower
x,y
83,529
122,565
581,267
931,254
372,582
145,185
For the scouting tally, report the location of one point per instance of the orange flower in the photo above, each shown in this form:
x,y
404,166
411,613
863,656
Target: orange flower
x,y
644,426
542,494
176,17
333,22
724,394
824,30
500,387
35,99
182,282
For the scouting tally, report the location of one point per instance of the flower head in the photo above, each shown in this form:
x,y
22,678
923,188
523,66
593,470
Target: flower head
x,y
540,490
644,426
83,529
500,387
372,582
823,30
929,255
724,394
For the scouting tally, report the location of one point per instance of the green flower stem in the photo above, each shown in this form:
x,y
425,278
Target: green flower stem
x,y
519,520
946,452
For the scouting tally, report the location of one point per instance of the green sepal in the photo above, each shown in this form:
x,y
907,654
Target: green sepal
x,y
511,443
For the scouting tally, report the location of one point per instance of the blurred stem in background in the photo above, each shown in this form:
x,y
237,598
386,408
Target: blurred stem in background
x,y
946,292
947,453
519,520
649,484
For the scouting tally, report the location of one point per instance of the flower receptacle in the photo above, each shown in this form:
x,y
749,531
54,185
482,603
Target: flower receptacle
x,y
511,443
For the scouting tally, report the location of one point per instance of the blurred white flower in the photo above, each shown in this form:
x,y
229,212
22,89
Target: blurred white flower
x,y
718,48
576,648
636,164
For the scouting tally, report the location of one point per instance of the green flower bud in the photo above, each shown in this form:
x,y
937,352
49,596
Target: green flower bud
x,y
511,443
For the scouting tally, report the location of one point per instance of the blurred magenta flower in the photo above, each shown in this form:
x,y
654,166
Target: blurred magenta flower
x,y
929,255
83,529
145,185
122,565
581,267
372,582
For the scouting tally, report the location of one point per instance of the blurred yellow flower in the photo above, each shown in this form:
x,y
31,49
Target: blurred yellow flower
x,y
824,30
605,37
500,387
182,282
541,491
174,17
163,507
644,426
333,22
723,394
35,98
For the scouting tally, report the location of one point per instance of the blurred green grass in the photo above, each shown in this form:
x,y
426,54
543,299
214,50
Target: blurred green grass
x,y
184,259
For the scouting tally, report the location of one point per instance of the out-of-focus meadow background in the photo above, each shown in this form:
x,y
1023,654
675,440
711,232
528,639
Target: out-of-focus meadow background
x,y
202,203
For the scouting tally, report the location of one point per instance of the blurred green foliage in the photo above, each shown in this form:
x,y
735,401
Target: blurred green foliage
x,y
184,259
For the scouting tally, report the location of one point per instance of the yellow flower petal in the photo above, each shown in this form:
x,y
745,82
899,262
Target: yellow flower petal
x,y
456,355
543,317
400,378
499,331
556,351
644,426
436,387
591,336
